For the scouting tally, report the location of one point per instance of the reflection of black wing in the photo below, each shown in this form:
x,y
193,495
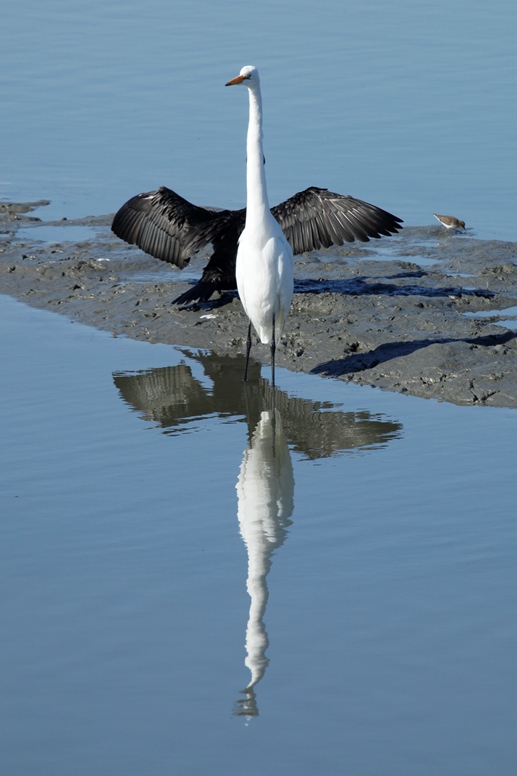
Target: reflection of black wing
x,y
172,229
173,397
318,218
170,396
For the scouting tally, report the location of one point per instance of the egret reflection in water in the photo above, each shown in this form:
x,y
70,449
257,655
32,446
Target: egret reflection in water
x,y
265,494
277,424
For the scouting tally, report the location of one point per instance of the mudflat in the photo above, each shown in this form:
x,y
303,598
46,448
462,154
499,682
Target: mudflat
x,y
425,312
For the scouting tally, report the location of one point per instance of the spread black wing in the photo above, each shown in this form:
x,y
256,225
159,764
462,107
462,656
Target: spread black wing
x,y
318,218
172,229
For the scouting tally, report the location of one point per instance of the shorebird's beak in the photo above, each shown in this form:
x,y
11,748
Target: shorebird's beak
x,y
238,80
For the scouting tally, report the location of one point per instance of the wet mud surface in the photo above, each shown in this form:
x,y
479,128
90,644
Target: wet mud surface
x,y
423,313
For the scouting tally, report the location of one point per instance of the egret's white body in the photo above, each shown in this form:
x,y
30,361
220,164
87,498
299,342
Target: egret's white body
x,y
264,275
264,267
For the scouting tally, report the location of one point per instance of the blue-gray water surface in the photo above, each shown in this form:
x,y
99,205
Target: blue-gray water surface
x,y
198,578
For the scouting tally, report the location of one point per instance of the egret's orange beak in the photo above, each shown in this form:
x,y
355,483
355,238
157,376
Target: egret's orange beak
x,y
238,80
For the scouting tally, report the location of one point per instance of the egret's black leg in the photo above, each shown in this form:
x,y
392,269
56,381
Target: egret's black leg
x,y
273,350
248,348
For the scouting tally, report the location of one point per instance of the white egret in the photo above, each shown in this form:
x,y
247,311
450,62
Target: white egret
x,y
264,266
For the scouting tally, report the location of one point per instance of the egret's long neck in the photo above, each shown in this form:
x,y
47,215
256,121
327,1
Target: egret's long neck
x,y
257,201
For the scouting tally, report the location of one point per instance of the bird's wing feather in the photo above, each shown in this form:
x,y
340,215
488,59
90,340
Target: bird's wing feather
x,y
318,218
219,273
168,226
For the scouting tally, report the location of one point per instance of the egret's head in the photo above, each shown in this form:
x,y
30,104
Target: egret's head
x,y
248,76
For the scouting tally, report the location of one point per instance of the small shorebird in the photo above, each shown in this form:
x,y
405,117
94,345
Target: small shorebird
x,y
450,222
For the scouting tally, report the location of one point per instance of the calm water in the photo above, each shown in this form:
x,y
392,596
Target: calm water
x,y
199,579
407,105
194,583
